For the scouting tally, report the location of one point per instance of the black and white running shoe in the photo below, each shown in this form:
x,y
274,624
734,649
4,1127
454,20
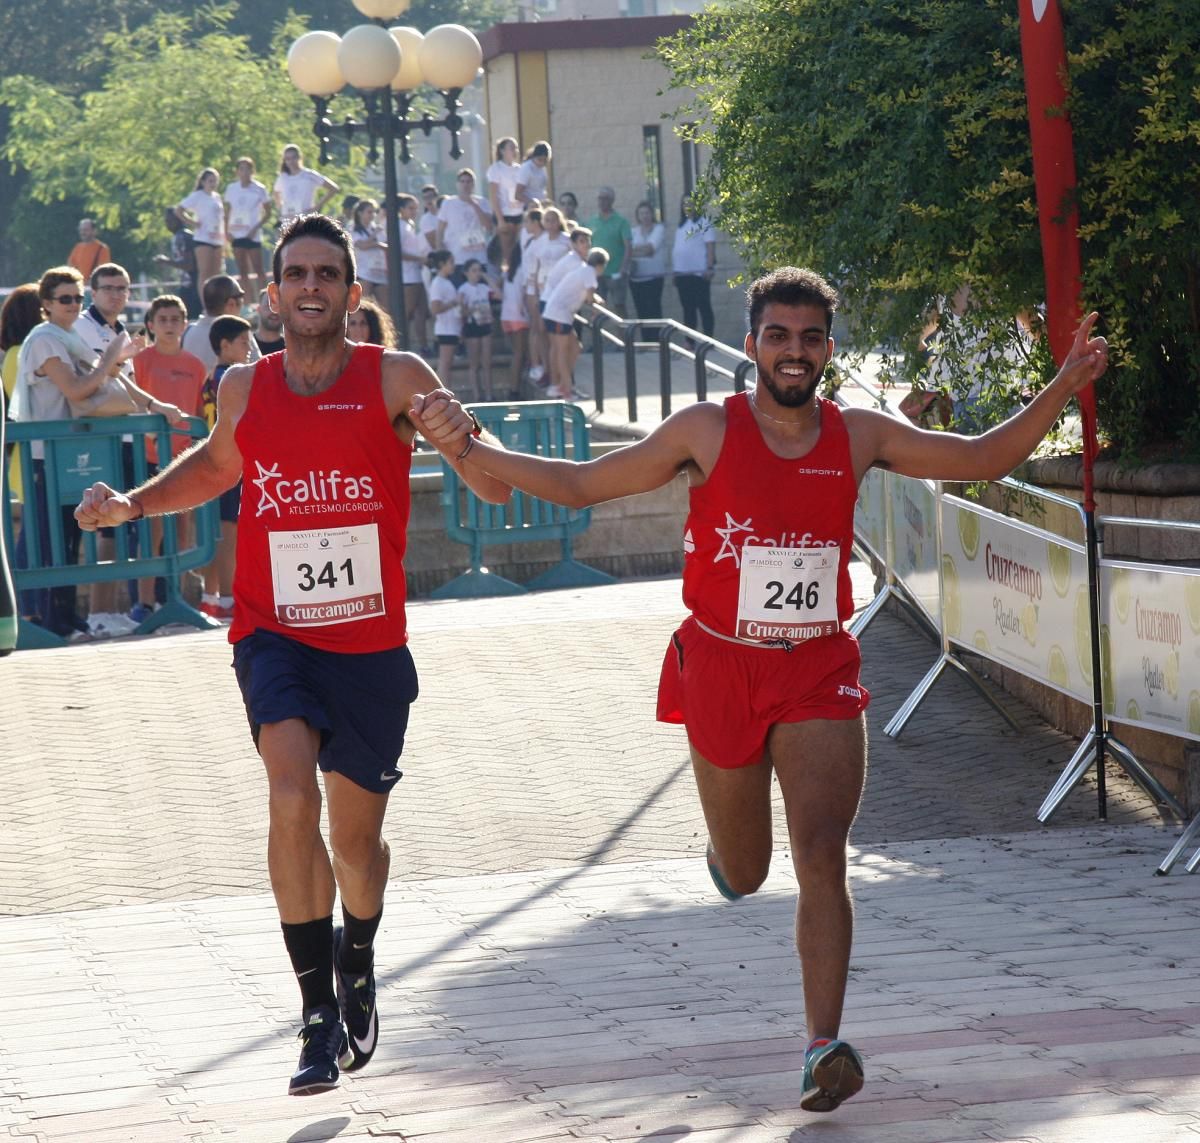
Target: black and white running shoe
x,y
356,998
324,1041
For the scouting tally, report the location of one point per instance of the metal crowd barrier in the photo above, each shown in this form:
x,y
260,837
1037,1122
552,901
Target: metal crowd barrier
x,y
78,453
541,428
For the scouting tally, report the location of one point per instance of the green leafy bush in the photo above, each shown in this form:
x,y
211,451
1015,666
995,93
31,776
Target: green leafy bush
x,y
886,144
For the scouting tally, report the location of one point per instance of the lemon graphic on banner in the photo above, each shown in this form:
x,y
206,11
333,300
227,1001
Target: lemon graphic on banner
x,y
1191,594
968,533
1057,670
1122,593
953,616
1194,712
1060,568
1029,618
1083,641
1132,711
1171,674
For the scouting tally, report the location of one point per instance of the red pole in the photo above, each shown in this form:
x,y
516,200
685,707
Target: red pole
x,y
1044,53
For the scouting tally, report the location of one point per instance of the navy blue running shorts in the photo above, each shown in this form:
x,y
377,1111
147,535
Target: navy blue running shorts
x,y
358,703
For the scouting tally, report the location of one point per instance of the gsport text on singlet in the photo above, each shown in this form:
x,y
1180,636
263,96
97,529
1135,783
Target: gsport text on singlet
x,y
767,541
324,513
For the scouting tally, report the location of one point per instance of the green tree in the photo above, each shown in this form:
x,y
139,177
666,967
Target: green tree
x,y
186,96
117,123
887,144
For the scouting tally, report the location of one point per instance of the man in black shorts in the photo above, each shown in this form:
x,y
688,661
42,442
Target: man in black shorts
x,y
324,436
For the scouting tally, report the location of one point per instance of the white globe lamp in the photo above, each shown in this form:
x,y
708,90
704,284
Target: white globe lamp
x,y
382,9
410,75
369,57
450,56
312,63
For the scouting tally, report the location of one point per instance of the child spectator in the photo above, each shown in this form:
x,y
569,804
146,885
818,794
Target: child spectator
x,y
447,313
475,296
229,337
514,318
576,287
170,374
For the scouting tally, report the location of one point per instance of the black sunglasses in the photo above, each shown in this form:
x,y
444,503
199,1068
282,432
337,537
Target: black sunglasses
x,y
69,299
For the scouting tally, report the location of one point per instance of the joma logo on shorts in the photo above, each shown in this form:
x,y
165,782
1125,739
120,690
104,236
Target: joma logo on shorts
x,y
853,692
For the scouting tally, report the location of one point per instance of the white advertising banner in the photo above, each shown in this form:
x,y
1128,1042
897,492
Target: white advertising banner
x,y
914,535
1150,644
870,514
1018,595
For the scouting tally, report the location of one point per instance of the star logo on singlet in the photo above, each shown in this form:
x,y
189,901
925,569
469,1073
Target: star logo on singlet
x,y
266,502
729,550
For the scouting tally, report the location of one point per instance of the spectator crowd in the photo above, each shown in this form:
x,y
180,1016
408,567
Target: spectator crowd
x,y
495,262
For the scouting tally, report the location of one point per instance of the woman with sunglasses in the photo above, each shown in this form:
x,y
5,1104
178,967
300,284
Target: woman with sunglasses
x,y
55,364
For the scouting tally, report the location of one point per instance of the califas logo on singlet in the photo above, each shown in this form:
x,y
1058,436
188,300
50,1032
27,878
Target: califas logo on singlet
x,y
312,491
739,534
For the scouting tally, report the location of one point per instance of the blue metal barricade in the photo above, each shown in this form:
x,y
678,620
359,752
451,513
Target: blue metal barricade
x,y
540,428
76,454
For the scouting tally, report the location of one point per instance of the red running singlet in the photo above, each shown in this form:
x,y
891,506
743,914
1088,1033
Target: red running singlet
x,y
754,498
324,516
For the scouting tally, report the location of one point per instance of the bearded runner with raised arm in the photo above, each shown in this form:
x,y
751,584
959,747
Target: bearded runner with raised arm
x,y
763,675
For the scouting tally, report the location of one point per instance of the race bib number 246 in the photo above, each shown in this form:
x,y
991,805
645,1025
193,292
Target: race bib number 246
x,y
787,593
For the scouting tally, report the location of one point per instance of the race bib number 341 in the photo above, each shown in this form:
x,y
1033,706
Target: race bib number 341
x,y
327,576
787,593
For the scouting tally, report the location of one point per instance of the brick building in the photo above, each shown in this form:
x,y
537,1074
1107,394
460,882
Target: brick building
x,y
590,90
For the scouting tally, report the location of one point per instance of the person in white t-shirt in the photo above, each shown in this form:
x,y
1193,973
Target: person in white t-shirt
x,y
649,268
414,253
541,255
299,190
693,262
475,294
204,212
578,246
502,193
514,317
464,223
576,287
446,307
370,248
247,205
533,178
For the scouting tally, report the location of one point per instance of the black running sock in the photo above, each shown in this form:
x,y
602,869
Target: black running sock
x,y
356,953
310,945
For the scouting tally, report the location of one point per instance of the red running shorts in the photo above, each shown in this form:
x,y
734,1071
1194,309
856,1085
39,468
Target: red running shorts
x,y
729,695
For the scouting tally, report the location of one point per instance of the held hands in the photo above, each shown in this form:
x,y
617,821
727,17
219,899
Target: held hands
x,y
1087,359
104,507
442,421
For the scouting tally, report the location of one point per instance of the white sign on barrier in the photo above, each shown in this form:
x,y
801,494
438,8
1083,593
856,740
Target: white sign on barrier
x,y
870,514
1018,595
914,536
1150,635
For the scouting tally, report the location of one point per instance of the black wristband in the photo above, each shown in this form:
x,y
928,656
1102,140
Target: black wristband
x,y
470,445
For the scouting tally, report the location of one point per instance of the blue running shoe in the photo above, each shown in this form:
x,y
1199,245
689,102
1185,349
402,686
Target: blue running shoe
x,y
717,879
356,998
833,1072
324,1040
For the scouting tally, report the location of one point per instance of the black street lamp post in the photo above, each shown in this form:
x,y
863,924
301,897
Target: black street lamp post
x,y
384,65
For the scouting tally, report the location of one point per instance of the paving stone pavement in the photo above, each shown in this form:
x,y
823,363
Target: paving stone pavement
x,y
554,963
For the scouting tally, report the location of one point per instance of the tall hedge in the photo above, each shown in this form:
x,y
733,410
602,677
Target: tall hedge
x,y
886,143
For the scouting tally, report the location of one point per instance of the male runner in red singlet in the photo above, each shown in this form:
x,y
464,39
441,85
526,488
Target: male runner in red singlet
x,y
763,675
322,436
